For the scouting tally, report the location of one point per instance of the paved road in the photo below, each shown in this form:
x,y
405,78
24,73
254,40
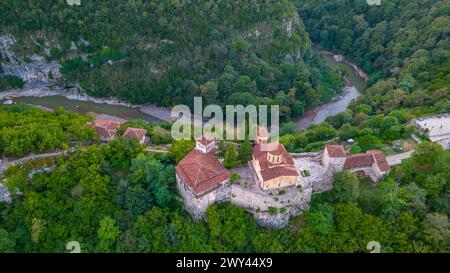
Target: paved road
x,y
155,150
5,165
398,158
445,143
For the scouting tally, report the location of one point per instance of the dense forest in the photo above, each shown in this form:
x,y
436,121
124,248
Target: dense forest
x,y
167,52
25,129
403,45
115,198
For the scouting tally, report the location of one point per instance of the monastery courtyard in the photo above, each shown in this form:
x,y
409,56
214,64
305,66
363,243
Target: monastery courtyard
x,y
312,177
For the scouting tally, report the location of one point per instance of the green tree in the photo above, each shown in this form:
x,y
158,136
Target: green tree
x,y
209,91
180,148
435,185
345,187
386,197
413,198
152,177
245,151
108,234
230,228
231,157
320,218
436,229
268,241
368,142
138,200
7,243
429,157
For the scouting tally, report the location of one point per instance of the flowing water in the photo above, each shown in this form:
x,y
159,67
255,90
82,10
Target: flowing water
x,y
354,84
83,107
312,116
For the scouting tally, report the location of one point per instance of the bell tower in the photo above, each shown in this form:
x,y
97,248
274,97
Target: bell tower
x,y
205,144
262,136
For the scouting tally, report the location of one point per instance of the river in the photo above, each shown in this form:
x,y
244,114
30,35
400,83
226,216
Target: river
x,y
83,107
355,81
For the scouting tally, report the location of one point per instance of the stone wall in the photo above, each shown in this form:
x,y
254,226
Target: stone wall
x,y
271,210
369,171
197,206
309,154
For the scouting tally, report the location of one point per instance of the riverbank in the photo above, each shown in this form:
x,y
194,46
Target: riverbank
x,y
156,112
50,98
352,86
318,114
341,59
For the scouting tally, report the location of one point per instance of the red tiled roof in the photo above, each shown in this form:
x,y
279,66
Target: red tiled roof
x,y
336,151
137,133
105,128
271,173
366,160
381,160
201,171
358,161
270,170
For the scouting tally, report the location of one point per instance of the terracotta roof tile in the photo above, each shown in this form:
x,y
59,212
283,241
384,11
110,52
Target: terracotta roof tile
x,y
270,170
336,151
271,173
358,161
137,133
201,171
381,160
366,160
105,128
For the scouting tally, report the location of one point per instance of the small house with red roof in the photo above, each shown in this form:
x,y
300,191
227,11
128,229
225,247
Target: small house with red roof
x,y
201,178
373,163
137,133
334,157
106,129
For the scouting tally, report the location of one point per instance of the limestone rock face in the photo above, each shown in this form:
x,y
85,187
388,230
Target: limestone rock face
x,y
278,220
35,72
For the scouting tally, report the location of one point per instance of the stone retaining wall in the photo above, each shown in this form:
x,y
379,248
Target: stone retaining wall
x,y
197,206
271,210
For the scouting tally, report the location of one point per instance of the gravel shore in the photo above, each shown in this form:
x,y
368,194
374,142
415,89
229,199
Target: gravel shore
x,y
161,113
